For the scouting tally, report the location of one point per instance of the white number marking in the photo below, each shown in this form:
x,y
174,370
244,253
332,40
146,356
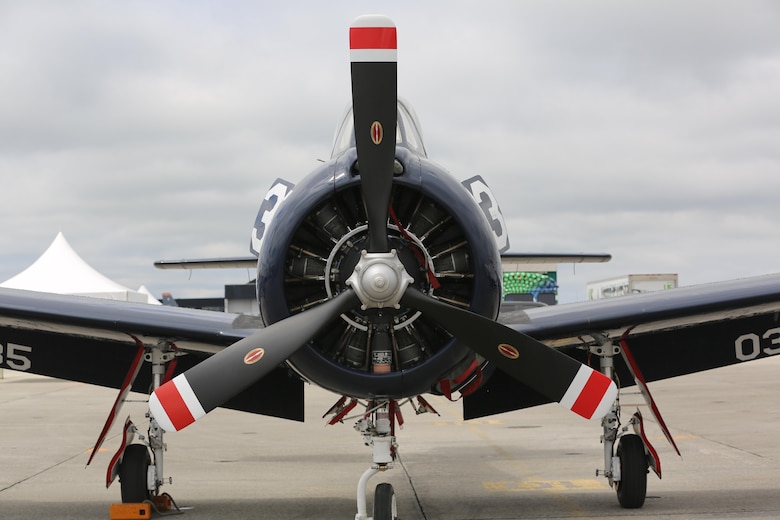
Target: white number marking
x,y
750,346
13,356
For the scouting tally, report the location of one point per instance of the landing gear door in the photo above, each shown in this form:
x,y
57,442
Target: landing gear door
x,y
485,199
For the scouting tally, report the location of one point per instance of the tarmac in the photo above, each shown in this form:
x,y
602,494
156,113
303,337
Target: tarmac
x,y
536,463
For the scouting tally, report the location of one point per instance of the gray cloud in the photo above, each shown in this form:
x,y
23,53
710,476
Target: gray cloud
x,y
147,131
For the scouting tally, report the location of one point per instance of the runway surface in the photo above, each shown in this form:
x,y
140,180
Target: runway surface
x,y
537,463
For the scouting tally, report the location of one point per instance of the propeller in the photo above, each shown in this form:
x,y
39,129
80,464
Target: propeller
x,y
555,375
211,383
379,280
372,44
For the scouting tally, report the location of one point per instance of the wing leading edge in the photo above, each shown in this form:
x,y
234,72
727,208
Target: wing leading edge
x,y
670,333
94,341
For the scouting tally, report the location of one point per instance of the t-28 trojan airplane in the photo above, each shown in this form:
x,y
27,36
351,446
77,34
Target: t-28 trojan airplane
x,y
379,278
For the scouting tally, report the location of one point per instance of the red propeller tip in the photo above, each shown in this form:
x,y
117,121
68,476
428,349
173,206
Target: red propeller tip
x,y
590,394
174,405
372,38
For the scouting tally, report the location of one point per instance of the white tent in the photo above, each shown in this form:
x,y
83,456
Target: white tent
x,y
61,270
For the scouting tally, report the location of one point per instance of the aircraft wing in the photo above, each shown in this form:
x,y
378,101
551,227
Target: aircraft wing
x,y
250,262
555,258
233,262
670,333
95,341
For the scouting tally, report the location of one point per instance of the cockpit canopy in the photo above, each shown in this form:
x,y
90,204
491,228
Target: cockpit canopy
x,y
407,131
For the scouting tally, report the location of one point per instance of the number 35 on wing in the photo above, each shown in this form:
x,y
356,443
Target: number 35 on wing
x,y
15,356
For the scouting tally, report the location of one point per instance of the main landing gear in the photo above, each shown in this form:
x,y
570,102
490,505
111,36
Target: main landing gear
x,y
628,457
139,460
141,466
377,426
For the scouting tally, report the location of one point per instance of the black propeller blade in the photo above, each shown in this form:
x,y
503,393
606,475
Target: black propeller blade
x,y
558,377
211,383
191,395
372,43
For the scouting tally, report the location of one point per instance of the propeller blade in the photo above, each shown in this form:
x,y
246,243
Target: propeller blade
x,y
191,395
581,389
372,43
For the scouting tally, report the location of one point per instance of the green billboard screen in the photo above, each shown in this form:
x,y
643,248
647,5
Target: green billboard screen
x,y
521,282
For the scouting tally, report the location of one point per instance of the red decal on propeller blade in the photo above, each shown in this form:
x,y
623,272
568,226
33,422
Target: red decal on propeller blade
x,y
372,38
174,405
253,356
591,395
508,351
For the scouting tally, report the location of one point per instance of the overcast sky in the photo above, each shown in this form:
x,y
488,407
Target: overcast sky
x,y
151,130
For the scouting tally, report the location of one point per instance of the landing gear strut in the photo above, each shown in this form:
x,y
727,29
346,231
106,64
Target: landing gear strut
x,y
139,464
377,426
626,468
378,429
159,358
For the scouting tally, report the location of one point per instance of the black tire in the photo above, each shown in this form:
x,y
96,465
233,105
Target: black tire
x,y
632,487
132,473
384,502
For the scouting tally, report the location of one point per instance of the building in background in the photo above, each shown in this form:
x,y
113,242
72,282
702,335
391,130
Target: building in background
x,y
239,299
631,284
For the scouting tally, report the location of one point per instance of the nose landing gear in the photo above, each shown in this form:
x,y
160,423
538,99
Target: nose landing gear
x,y
377,426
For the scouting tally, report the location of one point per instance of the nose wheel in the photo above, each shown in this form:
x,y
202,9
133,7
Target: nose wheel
x,y
377,427
384,502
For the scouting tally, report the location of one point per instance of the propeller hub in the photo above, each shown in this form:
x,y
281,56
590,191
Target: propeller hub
x,y
379,279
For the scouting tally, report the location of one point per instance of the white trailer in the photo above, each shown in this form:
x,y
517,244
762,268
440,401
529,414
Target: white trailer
x,y
631,284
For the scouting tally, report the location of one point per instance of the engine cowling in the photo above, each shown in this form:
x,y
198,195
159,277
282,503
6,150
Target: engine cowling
x,y
314,243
